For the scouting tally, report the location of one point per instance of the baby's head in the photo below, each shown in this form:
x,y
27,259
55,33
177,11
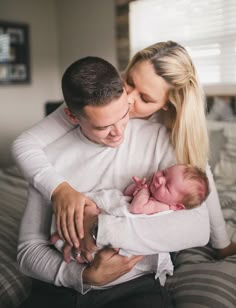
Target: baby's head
x,y
182,185
197,186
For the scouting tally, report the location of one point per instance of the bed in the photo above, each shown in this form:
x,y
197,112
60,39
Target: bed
x,y
196,268
194,290
14,286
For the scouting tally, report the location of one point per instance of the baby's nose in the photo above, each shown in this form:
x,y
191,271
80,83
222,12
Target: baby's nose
x,y
160,180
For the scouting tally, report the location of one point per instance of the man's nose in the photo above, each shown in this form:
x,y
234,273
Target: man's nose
x,y
116,129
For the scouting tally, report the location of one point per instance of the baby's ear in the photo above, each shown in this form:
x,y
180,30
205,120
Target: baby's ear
x,y
178,206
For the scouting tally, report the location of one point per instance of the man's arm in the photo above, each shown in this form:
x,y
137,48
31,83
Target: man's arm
x,y
155,233
36,257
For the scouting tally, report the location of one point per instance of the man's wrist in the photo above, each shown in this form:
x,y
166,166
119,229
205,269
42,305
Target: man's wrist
x,y
58,189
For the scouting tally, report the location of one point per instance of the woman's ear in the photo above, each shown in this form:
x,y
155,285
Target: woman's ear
x,y
166,106
72,118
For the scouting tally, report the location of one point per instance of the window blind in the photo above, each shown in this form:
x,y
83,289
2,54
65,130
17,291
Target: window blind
x,y
207,29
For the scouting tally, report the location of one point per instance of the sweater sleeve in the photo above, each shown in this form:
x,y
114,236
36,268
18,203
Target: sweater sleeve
x,y
219,237
28,151
36,257
155,233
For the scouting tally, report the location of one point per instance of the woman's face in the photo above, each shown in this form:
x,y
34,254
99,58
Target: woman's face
x,y
147,92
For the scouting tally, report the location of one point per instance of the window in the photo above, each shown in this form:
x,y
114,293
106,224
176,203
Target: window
x,y
207,29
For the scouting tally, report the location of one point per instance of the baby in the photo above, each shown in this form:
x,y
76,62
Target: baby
x,y
175,188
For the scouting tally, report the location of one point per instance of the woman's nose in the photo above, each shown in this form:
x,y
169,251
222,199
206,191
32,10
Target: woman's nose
x,y
131,98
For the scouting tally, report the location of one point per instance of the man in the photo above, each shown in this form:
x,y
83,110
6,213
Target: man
x,y
103,153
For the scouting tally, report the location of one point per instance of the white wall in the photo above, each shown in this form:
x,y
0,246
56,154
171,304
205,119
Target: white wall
x,y
86,28
22,105
61,31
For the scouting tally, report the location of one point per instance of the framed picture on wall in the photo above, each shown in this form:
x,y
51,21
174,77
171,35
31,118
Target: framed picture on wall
x,y
14,53
221,108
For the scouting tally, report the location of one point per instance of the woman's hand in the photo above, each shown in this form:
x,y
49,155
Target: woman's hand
x,y
227,251
107,266
68,205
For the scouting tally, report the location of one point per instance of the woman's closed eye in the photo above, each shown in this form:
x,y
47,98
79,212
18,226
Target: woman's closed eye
x,y
144,99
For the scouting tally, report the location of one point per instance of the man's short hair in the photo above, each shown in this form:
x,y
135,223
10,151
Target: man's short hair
x,y
90,81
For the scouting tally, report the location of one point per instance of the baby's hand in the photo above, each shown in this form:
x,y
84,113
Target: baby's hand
x,y
140,184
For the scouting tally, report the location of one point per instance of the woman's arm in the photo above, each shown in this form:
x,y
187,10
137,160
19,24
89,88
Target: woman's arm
x,y
219,237
28,151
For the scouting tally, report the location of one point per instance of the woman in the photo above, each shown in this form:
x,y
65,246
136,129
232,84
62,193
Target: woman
x,y
162,83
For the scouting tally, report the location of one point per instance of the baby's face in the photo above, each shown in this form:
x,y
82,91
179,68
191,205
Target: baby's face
x,y
168,185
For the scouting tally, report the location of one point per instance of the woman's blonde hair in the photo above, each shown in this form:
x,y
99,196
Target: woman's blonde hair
x,y
185,116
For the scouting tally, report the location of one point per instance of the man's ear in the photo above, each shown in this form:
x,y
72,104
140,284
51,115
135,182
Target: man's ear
x,y
72,118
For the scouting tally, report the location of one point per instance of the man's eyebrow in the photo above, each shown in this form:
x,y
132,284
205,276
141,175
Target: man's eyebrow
x,y
102,127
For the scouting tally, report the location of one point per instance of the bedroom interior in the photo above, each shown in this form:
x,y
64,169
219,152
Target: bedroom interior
x,y
22,105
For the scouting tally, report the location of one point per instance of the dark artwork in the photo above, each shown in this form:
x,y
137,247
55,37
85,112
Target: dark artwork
x,y
221,108
14,53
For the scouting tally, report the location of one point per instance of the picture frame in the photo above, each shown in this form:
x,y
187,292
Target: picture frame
x,y
14,53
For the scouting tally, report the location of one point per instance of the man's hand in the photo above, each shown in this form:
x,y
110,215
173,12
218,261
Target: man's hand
x,y
87,248
107,266
68,205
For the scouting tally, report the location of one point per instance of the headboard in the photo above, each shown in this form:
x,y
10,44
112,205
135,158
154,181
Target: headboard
x,y
51,106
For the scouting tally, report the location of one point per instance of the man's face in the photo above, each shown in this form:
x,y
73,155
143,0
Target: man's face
x,y
106,124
